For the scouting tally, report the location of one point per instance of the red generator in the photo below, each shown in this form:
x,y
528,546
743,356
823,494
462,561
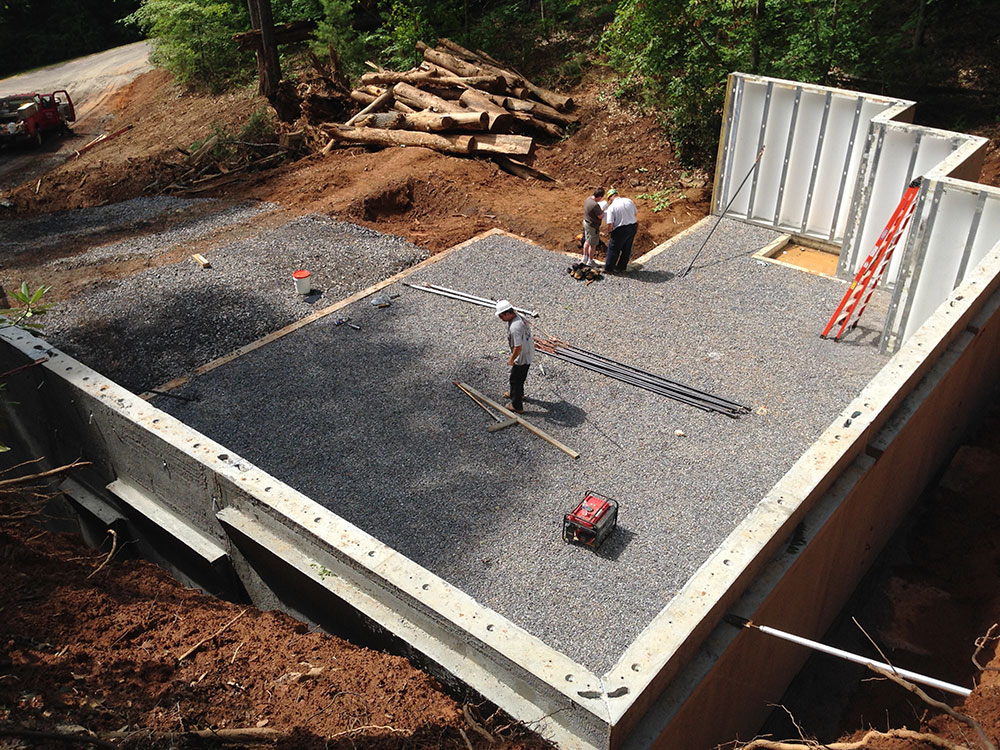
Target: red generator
x,y
590,522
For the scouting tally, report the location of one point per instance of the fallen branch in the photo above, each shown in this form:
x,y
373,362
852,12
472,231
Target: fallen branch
x,y
365,728
203,641
114,548
476,726
903,734
43,474
917,691
233,735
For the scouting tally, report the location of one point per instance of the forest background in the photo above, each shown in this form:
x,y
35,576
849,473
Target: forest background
x,y
669,56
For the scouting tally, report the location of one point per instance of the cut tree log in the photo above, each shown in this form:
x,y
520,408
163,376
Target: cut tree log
x,y
415,97
373,90
544,111
519,147
484,63
361,96
425,121
431,77
500,120
448,144
454,64
560,102
459,51
404,108
533,123
519,169
380,102
293,31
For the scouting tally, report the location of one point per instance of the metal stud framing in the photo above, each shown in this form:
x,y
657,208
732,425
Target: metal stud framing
x,y
816,158
913,158
867,171
729,150
970,241
760,145
788,155
847,169
916,249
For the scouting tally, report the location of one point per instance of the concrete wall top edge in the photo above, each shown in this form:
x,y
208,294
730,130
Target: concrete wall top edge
x,y
299,514
887,100
809,479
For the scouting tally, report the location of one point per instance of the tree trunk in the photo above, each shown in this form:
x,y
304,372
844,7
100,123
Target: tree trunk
x,y
537,109
560,102
534,123
448,144
268,68
450,62
519,147
424,121
380,102
431,77
500,120
415,97
757,14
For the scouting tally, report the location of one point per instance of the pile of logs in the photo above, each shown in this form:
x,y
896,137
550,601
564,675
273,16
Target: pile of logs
x,y
456,102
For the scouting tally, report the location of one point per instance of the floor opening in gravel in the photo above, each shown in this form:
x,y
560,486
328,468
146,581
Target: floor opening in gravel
x,y
367,421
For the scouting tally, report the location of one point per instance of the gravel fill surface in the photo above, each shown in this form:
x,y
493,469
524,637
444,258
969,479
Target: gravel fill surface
x,y
165,321
18,236
368,423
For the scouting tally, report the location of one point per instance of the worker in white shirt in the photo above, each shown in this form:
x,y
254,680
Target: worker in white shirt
x,y
620,216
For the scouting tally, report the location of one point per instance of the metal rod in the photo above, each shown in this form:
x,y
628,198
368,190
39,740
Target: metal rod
x,y
848,656
614,369
722,215
632,380
694,391
465,296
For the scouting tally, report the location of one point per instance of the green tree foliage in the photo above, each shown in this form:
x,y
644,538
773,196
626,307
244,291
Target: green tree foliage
x,y
193,39
676,54
40,32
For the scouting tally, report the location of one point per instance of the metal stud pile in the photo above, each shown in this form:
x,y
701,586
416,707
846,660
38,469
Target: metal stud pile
x,y
640,378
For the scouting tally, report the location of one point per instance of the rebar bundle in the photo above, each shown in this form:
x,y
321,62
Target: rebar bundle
x,y
640,378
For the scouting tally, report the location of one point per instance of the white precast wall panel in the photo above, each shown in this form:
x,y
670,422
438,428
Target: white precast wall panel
x,y
812,138
834,167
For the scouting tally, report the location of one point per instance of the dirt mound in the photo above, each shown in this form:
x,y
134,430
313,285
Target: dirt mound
x,y
97,646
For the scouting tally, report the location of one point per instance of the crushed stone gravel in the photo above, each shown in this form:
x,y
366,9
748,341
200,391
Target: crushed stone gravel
x,y
165,321
368,423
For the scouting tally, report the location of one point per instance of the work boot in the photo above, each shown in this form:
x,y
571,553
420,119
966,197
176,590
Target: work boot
x,y
510,407
506,394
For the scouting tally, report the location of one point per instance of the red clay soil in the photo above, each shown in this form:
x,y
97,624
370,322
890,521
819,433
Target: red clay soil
x,y
94,645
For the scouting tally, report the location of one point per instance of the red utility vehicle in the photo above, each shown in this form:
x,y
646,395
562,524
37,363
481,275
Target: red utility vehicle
x,y
31,116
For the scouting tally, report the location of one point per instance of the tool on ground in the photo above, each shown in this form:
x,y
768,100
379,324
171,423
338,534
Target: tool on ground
x,y
583,272
347,322
479,397
590,522
719,220
742,622
640,378
464,297
875,264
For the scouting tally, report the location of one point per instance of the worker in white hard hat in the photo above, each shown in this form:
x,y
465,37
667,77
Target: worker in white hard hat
x,y
522,350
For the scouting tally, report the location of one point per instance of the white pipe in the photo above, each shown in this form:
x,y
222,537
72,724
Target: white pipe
x,y
912,676
466,297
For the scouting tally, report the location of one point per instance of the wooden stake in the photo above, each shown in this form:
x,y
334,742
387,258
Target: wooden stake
x,y
201,260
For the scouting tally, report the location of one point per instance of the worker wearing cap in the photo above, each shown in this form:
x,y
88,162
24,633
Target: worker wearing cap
x,y
620,216
522,350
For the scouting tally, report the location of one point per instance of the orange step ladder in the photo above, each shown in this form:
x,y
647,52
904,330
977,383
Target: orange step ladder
x,y
874,266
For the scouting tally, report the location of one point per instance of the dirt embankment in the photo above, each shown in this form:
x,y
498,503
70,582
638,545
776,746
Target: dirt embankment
x,y
432,199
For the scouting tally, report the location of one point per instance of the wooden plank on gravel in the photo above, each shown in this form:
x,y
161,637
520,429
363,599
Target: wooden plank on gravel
x,y
512,415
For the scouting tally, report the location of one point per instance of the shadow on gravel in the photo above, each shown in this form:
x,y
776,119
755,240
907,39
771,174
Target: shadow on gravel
x,y
160,338
654,277
615,544
557,412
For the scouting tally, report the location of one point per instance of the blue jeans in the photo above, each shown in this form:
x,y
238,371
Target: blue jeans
x,y
620,247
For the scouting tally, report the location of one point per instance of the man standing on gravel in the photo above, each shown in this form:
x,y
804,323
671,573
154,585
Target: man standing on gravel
x,y
620,216
592,215
522,350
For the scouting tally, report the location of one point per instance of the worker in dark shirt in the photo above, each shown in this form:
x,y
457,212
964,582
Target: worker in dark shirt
x,y
593,213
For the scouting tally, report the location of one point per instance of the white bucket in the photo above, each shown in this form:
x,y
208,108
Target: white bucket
x,y
303,282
